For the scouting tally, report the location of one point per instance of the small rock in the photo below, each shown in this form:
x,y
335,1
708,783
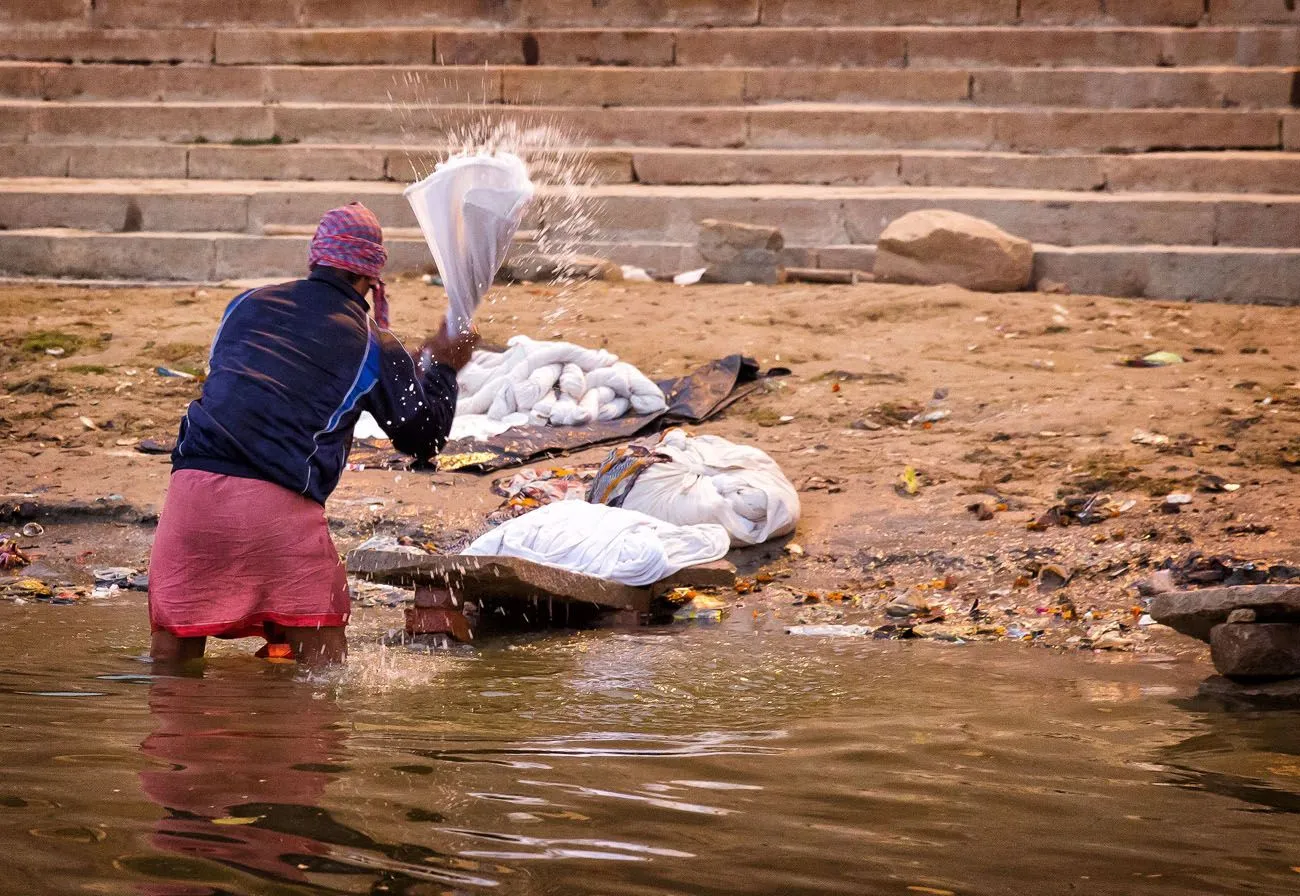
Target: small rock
x,y
794,549
935,246
1052,578
901,609
1243,615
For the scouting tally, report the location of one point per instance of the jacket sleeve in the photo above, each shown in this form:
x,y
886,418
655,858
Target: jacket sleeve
x,y
415,409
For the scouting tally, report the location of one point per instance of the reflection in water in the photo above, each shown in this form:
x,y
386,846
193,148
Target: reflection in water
x,y
243,767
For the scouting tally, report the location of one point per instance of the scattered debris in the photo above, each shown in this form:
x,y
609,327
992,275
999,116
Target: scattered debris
x,y
909,482
1155,359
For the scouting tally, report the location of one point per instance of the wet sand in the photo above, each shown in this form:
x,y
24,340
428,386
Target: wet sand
x,y
1037,411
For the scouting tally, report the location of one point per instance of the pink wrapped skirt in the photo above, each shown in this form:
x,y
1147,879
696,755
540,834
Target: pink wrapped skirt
x,y
233,554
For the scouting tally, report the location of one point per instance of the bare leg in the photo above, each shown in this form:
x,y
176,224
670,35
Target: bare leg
x,y
316,647
165,647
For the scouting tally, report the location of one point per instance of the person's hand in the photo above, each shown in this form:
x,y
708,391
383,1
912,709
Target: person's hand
x,y
452,350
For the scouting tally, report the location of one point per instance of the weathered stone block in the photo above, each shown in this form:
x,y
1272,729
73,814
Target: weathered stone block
x,y
380,84
622,86
1254,12
637,13
1243,45
1256,650
1115,130
286,163
939,246
881,128
1030,47
44,12
740,253
126,45
325,47
33,160
542,47
682,166
127,160
965,169
1208,172
1252,222
764,47
890,12
1196,613
878,85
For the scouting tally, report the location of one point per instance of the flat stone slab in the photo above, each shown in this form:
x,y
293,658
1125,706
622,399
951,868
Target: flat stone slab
x,y
501,580
1196,613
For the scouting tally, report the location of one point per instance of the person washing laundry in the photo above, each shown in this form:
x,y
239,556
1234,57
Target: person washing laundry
x,y
242,547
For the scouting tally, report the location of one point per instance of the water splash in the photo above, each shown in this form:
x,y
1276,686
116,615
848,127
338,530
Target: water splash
x,y
564,218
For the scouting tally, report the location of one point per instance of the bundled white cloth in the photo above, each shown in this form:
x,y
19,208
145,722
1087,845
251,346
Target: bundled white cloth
x,y
607,542
708,479
469,209
555,383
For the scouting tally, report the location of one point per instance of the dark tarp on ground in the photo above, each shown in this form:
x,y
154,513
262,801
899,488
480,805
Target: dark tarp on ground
x,y
691,399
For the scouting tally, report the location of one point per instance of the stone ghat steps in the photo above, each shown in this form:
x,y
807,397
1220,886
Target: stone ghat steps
x,y
187,13
1226,87
832,46
1199,273
1158,172
807,215
777,126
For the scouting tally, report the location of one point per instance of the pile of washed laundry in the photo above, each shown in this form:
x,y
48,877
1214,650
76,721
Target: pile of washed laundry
x,y
534,383
652,508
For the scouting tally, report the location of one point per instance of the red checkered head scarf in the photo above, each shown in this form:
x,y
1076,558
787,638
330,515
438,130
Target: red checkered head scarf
x,y
350,239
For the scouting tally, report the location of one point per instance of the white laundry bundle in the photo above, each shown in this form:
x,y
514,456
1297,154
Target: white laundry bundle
x,y
607,542
687,479
555,383
469,209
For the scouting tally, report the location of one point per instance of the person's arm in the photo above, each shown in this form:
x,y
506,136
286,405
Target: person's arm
x,y
415,407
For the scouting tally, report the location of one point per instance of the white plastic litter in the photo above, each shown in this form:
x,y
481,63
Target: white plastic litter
x,y
690,278
712,480
555,383
607,542
469,209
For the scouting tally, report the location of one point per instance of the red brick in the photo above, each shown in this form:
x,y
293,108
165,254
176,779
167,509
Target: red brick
x,y
185,13
586,47
1247,12
889,12
834,167
189,45
44,12
325,47
857,85
1109,131
529,85
830,48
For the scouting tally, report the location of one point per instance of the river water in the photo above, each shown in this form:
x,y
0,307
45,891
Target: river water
x,y
677,761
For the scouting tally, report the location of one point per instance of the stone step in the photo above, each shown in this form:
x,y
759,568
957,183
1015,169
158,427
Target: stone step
x,y
765,47
1213,273
1191,87
1161,172
189,13
807,215
777,126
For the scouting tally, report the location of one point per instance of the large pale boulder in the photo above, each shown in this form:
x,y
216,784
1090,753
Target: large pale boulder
x,y
937,246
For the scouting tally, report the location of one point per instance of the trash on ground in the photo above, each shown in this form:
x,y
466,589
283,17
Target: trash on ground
x,y
1155,440
12,556
690,278
173,372
33,530
831,631
634,274
701,608
1155,359
909,482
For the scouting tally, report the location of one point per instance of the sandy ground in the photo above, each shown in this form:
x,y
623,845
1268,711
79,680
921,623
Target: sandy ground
x,y
1041,412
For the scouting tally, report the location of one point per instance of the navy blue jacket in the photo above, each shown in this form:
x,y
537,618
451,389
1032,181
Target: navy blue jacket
x,y
292,368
